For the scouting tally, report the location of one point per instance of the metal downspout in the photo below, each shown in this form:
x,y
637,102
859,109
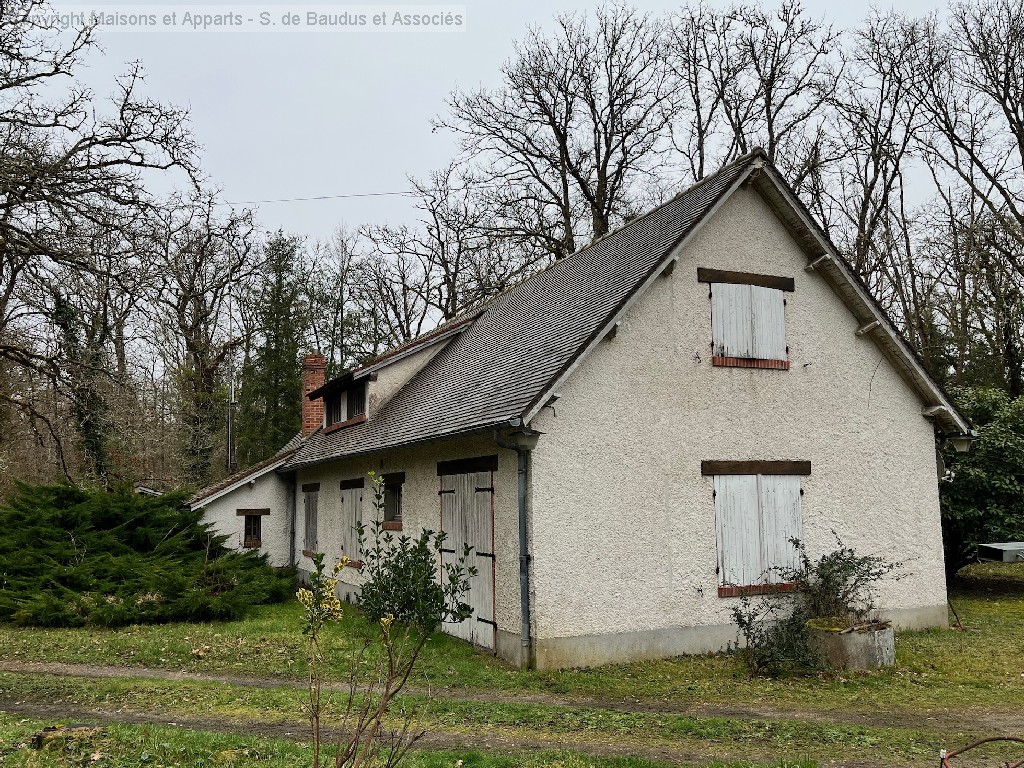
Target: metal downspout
x,y
524,549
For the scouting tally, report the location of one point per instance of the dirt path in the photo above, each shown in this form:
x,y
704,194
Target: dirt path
x,y
435,739
1010,721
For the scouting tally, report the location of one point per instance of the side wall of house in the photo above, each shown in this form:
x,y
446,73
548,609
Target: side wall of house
x,y
623,524
269,491
421,508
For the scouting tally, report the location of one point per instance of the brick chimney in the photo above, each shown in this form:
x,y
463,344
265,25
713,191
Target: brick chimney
x,y
314,371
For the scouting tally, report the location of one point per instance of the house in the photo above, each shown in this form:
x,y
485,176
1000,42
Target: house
x,y
629,437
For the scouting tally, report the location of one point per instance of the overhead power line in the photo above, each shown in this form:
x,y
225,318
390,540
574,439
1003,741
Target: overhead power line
x,y
322,197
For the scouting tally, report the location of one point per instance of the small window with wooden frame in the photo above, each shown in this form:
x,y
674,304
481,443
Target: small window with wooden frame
x,y
748,325
252,526
393,483
757,517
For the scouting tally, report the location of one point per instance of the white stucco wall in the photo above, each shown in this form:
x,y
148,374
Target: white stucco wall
x,y
421,506
623,523
269,491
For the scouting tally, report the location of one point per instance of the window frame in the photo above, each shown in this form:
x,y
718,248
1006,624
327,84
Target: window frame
x,y
251,518
351,411
716,279
346,407
333,409
252,532
393,489
759,470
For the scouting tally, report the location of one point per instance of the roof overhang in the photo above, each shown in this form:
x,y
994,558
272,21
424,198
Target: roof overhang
x,y
484,428
825,260
244,479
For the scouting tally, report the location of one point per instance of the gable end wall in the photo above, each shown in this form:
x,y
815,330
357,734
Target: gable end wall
x,y
268,491
623,523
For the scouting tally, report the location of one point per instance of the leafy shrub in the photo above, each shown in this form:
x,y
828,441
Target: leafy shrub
x,y
982,494
837,588
839,585
74,557
776,636
401,574
404,603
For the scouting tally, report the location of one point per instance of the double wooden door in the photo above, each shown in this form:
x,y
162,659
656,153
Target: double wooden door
x,y
467,518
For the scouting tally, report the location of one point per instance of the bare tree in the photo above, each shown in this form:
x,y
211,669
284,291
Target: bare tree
x,y
329,294
972,100
753,77
580,118
391,284
69,167
873,121
201,256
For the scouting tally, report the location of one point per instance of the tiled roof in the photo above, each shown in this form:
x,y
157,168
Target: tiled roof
x,y
525,338
287,450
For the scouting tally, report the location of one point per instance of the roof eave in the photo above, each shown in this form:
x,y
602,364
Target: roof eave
x,y
201,501
839,274
670,254
477,428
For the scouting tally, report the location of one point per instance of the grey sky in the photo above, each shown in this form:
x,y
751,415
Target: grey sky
x,y
294,112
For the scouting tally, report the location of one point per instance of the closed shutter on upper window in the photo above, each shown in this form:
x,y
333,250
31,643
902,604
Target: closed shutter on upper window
x,y
748,322
757,517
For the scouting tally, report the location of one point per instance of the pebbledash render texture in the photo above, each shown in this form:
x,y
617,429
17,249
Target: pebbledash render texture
x,y
601,370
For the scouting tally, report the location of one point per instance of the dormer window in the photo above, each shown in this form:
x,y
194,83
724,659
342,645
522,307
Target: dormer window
x,y
355,397
333,406
346,405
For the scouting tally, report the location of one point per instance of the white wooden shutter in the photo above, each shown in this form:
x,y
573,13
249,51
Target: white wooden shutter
x,y
769,323
467,517
310,501
748,321
780,522
739,530
351,517
731,325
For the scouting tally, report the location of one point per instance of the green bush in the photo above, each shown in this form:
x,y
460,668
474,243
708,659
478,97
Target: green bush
x,y
74,557
836,589
982,494
401,574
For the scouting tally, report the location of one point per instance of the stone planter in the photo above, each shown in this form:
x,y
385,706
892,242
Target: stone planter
x,y
867,646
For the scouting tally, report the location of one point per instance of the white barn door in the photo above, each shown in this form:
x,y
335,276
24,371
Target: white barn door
x,y
467,517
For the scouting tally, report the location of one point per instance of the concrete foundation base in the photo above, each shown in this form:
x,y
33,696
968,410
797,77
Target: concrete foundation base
x,y
594,650
508,646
